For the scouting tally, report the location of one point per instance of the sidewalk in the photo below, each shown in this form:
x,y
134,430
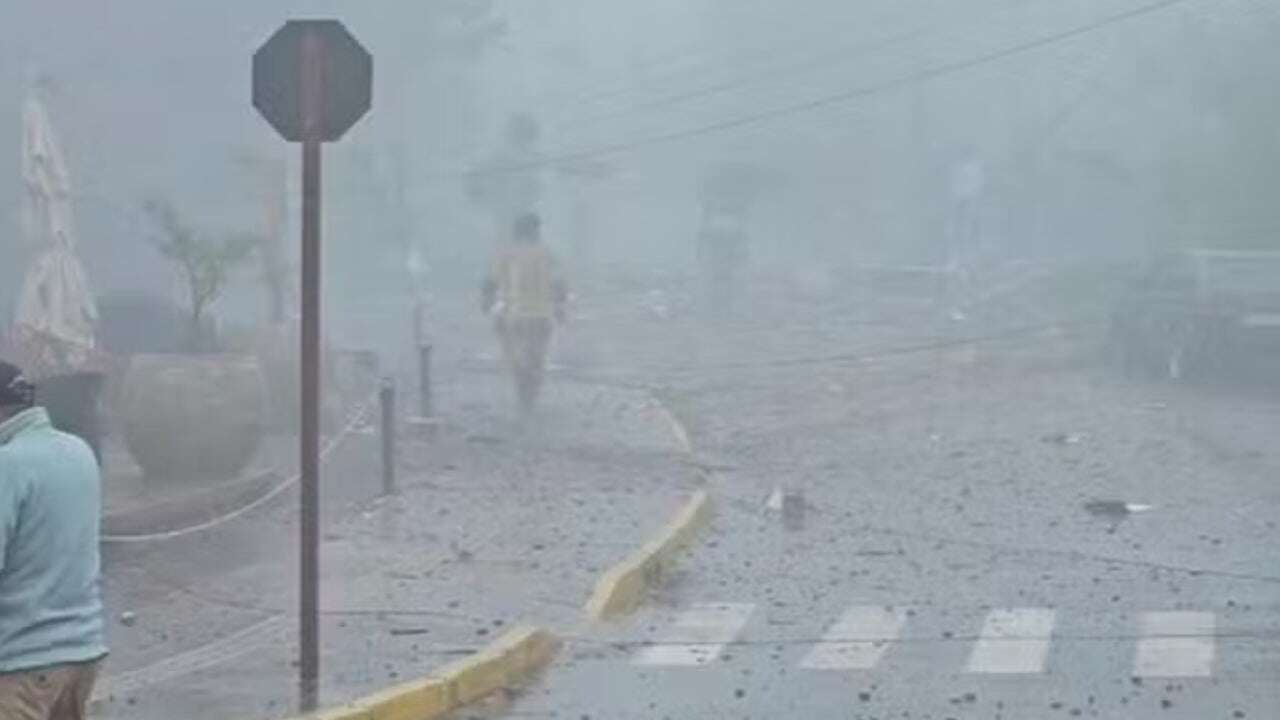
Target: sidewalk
x,y
132,505
496,523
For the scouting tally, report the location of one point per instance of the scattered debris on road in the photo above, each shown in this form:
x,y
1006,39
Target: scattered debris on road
x,y
1064,438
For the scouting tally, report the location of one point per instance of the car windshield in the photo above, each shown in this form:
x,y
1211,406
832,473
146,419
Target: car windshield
x,y
590,359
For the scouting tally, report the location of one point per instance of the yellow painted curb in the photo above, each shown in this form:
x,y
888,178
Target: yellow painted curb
x,y
623,586
502,664
505,662
413,700
346,712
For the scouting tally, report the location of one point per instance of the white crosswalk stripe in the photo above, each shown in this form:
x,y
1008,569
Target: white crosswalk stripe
x,y
1013,642
1175,644
698,635
858,640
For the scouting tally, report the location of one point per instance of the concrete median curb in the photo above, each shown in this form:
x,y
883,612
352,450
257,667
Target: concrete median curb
x,y
624,585
508,661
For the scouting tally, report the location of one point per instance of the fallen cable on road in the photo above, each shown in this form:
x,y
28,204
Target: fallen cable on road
x,y
745,505
851,357
357,417
249,639
1073,555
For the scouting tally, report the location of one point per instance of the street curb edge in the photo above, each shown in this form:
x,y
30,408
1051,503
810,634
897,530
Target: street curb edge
x,y
623,586
507,661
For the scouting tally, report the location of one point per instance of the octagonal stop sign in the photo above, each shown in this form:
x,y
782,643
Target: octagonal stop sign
x,y
312,80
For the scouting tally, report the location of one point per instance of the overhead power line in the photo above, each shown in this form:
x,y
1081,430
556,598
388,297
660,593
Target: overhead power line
x,y
843,97
694,56
777,72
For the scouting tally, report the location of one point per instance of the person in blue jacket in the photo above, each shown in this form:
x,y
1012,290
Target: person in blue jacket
x,y
51,616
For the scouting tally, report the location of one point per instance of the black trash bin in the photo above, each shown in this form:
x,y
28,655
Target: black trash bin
x,y
72,402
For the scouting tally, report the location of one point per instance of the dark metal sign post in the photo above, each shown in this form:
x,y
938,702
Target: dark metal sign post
x,y
311,81
387,400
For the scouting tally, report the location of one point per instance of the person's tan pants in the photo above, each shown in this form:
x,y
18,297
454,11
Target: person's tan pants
x,y
59,692
524,344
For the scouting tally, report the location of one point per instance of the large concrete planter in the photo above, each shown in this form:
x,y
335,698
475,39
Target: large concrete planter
x,y
192,418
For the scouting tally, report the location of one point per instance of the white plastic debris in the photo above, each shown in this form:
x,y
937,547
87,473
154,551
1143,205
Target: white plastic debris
x,y
1065,438
657,302
774,502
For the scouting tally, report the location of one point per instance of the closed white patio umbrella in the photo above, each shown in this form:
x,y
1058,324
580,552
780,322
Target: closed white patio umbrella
x,y
54,323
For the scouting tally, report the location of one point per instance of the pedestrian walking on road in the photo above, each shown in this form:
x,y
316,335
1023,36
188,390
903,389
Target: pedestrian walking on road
x,y
526,294
51,618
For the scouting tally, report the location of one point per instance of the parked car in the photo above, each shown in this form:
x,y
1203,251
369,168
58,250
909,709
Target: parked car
x,y
1199,313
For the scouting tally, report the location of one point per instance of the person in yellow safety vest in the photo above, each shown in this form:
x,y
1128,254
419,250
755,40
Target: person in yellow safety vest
x,y
526,294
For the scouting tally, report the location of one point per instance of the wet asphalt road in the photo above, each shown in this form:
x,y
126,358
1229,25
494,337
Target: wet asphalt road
x,y
959,553
1000,531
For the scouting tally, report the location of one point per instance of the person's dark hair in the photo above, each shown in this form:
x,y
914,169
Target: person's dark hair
x,y
15,390
528,228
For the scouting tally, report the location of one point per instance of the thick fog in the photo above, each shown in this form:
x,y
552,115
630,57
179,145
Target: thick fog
x,y
762,357
859,120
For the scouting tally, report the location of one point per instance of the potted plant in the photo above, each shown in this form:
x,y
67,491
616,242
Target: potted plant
x,y
195,415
